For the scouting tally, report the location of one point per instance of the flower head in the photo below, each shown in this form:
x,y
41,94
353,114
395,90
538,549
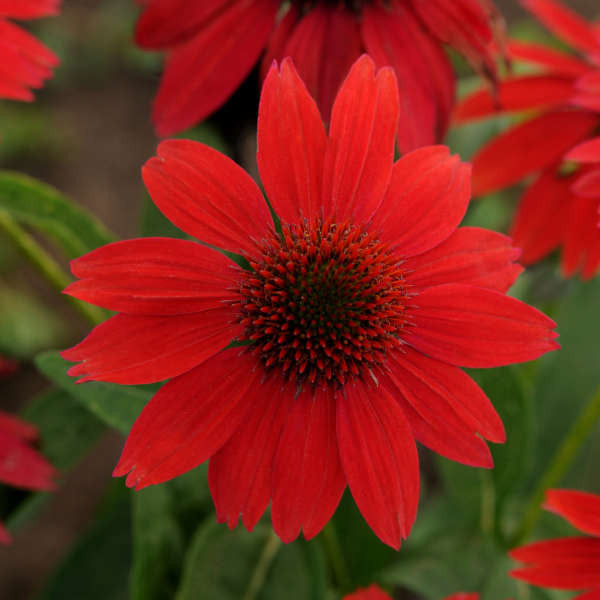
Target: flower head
x,y
24,62
214,44
560,208
356,310
571,563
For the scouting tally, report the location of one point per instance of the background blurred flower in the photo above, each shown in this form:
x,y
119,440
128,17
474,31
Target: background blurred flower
x,y
571,563
20,465
214,44
560,207
358,312
25,63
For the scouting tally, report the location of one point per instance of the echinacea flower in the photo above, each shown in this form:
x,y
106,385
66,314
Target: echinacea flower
x,y
355,312
25,63
560,207
571,563
212,45
21,465
373,592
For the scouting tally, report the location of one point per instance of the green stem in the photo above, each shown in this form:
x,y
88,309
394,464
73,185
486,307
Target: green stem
x,y
259,575
333,549
559,465
46,265
488,501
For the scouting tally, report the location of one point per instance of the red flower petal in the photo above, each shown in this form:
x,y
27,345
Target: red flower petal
x,y
154,276
324,46
586,152
473,327
291,145
556,61
5,537
16,427
207,195
426,200
308,480
240,473
202,73
463,596
190,418
520,93
565,23
394,36
582,237
379,459
29,9
144,349
581,509
564,563
371,593
448,412
539,223
588,185
527,148
360,152
464,25
22,466
470,255
166,23
24,62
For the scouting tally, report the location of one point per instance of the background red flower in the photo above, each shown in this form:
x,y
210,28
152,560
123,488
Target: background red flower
x,y
571,563
212,46
25,63
560,208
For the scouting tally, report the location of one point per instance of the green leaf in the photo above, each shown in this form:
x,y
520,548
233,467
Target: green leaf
x,y
478,490
98,567
441,556
117,406
221,564
158,545
27,326
67,430
565,382
44,208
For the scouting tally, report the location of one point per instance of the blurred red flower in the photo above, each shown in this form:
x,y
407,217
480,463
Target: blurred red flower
x,y
20,465
214,44
25,63
560,208
357,309
373,592
571,563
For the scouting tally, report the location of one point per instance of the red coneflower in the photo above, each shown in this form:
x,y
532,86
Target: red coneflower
x,y
560,207
373,592
356,310
20,465
214,44
25,63
571,563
